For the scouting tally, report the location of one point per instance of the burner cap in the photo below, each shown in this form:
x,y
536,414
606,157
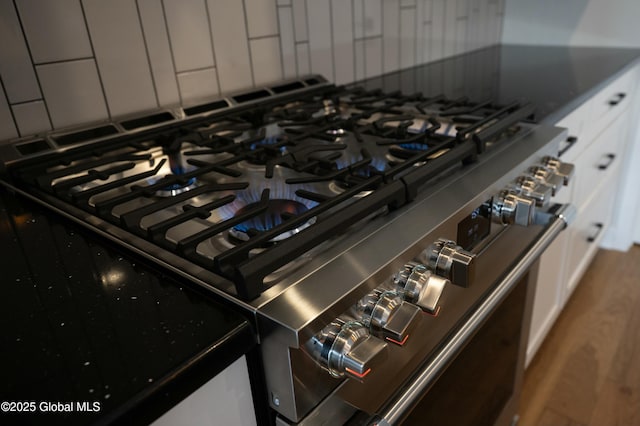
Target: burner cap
x,y
278,210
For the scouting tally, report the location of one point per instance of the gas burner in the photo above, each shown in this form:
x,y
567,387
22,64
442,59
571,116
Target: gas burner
x,y
177,188
178,169
277,211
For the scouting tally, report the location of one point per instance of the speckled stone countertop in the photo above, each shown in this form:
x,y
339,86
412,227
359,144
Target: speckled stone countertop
x,y
83,320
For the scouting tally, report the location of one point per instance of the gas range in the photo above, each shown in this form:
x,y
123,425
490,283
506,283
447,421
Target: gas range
x,y
338,216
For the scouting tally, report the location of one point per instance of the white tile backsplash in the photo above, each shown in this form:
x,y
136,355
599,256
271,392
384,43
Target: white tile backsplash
x,y
55,30
97,60
154,27
372,56
196,86
16,68
390,35
230,44
343,44
287,42
121,55
303,59
189,34
262,20
407,37
300,20
31,117
372,18
73,92
7,125
319,38
265,56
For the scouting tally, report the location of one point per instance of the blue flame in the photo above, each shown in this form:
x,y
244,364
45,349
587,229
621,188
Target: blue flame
x,y
414,146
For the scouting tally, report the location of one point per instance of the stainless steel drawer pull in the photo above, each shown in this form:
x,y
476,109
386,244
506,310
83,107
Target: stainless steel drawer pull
x,y
599,226
618,99
610,158
569,142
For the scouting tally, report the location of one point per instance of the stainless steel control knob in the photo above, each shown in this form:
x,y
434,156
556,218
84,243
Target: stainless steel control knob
x,y
530,187
387,315
420,286
548,177
510,208
565,170
346,348
446,259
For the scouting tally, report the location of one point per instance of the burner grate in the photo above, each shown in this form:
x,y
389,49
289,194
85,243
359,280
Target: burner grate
x,y
341,154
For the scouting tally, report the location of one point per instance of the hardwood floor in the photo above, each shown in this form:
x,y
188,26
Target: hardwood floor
x,y
587,372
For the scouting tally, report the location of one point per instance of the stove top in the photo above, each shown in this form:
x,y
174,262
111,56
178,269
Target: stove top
x,y
245,188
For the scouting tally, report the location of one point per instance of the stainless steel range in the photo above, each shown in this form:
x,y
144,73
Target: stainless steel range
x,y
385,243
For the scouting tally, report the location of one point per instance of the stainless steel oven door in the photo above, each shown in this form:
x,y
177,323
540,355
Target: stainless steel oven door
x,y
475,378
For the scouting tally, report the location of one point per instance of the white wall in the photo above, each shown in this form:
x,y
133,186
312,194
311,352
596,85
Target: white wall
x,y
573,22
70,62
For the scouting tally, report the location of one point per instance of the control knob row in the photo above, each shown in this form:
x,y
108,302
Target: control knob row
x,y
352,344
517,203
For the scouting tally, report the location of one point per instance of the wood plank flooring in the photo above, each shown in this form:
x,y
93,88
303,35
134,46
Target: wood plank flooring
x,y
587,372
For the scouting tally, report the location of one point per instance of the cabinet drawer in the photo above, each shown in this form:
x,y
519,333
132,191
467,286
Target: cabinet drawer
x,y
600,161
609,103
585,234
576,141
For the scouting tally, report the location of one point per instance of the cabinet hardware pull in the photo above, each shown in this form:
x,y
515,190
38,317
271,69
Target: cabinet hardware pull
x,y
571,141
599,227
618,99
610,158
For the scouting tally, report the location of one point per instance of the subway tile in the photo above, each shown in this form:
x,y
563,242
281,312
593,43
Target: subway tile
x,y
319,38
424,42
391,35
407,38
197,86
494,23
421,40
450,24
31,118
358,19
121,55
436,48
303,59
372,18
7,125
15,63
73,93
341,21
189,34
265,59
287,42
300,20
154,29
359,59
373,56
462,8
55,30
461,35
230,44
262,20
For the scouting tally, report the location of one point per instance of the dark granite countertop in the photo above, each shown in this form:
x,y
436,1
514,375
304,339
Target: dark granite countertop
x,y
83,320
555,79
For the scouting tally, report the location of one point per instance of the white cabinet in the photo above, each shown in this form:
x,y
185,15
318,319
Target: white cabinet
x,y
224,400
599,129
